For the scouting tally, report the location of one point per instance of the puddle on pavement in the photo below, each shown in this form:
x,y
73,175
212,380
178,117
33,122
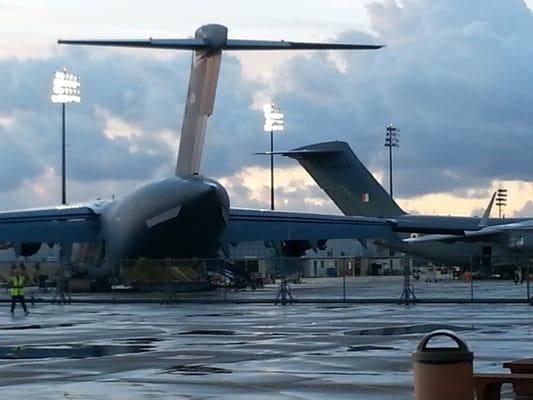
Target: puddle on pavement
x,y
196,369
405,330
36,326
220,344
142,340
226,314
218,332
271,334
370,347
67,351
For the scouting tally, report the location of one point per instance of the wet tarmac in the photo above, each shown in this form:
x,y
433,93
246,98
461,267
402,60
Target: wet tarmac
x,y
242,351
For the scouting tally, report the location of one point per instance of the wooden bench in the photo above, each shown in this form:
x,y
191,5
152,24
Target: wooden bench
x,y
488,386
523,366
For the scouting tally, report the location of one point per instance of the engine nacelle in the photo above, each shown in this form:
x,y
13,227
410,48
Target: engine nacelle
x,y
297,248
27,249
521,242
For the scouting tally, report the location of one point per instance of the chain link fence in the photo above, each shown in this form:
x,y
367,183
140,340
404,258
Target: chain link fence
x,y
278,279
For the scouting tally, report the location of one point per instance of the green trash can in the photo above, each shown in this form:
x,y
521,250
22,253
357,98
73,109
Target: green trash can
x,y
443,373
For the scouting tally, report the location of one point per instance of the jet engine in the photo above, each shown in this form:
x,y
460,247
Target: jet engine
x,y
297,248
521,242
27,249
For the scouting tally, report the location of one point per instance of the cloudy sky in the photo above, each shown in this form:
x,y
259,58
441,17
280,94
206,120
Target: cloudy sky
x,y
455,77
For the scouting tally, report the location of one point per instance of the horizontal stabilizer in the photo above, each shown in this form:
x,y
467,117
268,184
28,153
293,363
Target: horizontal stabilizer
x,y
283,45
207,45
181,44
229,44
296,153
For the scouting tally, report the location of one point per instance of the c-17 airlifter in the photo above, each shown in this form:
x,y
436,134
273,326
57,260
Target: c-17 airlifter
x,y
451,239
185,215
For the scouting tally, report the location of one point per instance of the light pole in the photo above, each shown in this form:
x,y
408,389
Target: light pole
x,y
66,89
391,140
273,122
501,200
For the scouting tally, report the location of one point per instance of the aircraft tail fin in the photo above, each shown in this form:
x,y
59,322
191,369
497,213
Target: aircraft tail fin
x,y
208,43
205,67
338,171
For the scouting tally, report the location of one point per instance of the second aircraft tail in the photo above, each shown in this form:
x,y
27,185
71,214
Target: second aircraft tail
x,y
345,179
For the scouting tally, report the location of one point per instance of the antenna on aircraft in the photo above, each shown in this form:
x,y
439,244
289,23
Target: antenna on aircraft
x,y
208,43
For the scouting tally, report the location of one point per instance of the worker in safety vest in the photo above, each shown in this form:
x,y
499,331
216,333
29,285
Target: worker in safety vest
x,y
16,283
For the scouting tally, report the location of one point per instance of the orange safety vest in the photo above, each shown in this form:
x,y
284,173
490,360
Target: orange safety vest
x,y
17,285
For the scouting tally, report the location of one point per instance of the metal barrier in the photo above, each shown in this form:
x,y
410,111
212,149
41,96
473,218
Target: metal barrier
x,y
403,280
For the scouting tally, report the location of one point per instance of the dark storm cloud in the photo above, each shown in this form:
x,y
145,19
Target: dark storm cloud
x,y
131,90
455,77
17,163
235,131
146,94
94,157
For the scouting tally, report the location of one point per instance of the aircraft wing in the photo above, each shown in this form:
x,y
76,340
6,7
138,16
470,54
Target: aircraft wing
x,y
82,224
483,235
65,224
263,225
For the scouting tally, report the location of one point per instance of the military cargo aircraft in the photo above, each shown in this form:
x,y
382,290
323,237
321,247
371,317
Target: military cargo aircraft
x,y
461,241
185,215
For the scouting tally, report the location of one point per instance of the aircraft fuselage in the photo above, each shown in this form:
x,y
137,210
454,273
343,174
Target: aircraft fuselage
x,y
174,217
460,253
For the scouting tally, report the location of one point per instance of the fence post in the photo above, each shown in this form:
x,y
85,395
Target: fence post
x,y
408,293
471,280
113,280
527,281
283,287
284,293
344,281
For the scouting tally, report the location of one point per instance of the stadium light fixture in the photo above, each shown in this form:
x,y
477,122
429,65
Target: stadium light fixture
x,y
65,89
392,139
273,123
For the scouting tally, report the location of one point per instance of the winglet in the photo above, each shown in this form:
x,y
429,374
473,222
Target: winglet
x,y
483,221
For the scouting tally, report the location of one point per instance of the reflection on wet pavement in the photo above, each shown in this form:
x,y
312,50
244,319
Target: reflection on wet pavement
x,y
241,351
368,347
196,370
208,332
67,351
35,326
403,330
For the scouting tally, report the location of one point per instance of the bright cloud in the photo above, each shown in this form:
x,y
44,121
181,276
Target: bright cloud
x,y
455,77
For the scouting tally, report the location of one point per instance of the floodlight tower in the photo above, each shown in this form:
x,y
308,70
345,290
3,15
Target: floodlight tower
x,y
66,89
501,200
391,140
273,122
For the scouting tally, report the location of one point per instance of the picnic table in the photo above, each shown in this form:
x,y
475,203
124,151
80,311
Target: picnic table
x,y
488,386
523,366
